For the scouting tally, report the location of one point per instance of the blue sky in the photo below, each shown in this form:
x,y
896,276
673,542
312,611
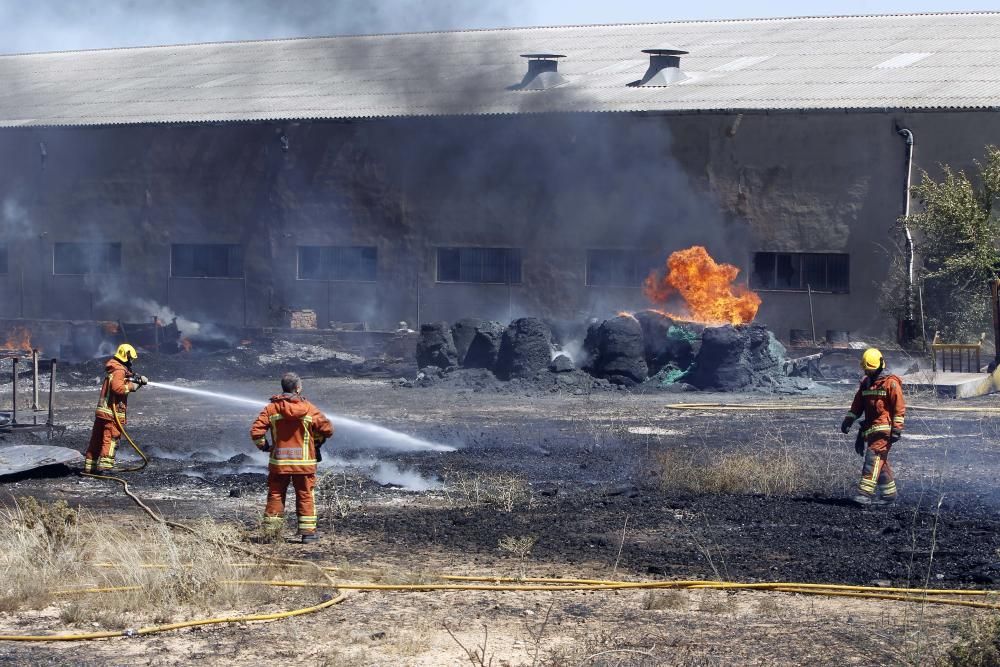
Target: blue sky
x,y
52,25
620,11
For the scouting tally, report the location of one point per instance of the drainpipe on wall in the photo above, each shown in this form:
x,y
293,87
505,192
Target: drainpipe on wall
x,y
908,135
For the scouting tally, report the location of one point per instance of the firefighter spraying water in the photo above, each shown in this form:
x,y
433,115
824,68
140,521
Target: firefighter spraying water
x,y
110,417
369,434
297,430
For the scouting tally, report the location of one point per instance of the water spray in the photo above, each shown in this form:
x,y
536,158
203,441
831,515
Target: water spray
x,y
381,436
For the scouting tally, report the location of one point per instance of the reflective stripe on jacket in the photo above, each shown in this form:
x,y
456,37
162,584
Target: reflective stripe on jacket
x,y
114,391
295,425
881,403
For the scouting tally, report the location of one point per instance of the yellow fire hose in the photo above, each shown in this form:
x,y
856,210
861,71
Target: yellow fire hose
x,y
925,596
795,407
153,629
545,584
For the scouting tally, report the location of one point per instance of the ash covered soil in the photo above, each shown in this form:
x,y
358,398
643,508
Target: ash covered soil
x,y
572,469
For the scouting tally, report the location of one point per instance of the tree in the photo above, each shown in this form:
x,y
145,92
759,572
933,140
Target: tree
x,y
956,234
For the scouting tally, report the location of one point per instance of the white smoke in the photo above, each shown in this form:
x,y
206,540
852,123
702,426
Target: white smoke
x,y
15,220
574,350
384,472
188,328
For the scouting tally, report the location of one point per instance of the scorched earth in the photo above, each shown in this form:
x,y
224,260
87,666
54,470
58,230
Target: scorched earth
x,y
610,485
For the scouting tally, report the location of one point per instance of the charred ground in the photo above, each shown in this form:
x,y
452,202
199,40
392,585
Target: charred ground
x,y
585,478
585,463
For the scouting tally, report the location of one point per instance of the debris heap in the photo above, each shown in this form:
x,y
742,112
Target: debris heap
x,y
646,351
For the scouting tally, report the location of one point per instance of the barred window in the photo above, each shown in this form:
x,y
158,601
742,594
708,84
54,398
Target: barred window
x,y
196,260
354,263
78,259
618,268
823,272
479,265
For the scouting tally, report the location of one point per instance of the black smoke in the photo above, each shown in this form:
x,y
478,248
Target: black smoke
x,y
56,25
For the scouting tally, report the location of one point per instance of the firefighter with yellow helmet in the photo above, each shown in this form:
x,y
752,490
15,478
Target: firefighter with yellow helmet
x,y
879,404
110,416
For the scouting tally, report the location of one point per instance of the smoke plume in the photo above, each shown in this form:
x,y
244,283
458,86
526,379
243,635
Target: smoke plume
x,y
54,25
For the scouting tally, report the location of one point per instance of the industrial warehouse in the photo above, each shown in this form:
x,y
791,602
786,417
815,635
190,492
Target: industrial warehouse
x,y
491,174
585,345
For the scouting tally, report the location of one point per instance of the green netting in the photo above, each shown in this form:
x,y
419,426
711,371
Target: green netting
x,y
681,333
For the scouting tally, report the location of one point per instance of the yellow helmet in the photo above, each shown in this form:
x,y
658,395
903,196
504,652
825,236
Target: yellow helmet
x,y
872,360
125,353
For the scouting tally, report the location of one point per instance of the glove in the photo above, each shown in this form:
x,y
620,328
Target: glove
x,y
859,444
845,425
319,449
894,435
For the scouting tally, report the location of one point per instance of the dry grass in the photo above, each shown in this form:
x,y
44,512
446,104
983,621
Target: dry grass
x,y
339,495
45,548
506,492
769,464
660,600
520,548
978,644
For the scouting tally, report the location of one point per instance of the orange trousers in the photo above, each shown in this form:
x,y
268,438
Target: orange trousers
x,y
305,502
100,454
877,476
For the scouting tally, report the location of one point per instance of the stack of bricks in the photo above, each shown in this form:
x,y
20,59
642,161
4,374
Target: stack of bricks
x,y
303,319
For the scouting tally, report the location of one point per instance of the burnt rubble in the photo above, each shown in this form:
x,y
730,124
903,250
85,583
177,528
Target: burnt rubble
x,y
485,346
618,352
436,347
648,351
525,349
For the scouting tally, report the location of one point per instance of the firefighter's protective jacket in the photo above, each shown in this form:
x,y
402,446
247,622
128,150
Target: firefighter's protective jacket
x,y
881,403
114,391
295,425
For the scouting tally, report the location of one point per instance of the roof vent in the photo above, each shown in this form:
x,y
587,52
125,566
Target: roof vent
x,y
543,72
664,66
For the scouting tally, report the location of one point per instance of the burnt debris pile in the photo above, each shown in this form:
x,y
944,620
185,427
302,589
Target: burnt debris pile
x,y
525,349
436,346
647,351
617,351
735,358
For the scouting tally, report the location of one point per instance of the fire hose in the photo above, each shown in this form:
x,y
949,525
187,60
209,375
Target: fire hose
x,y
791,407
914,595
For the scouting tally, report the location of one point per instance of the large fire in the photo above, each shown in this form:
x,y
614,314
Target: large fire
x,y
706,288
18,339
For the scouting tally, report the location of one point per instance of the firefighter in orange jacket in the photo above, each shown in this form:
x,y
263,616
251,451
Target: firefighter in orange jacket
x,y
110,416
879,400
297,429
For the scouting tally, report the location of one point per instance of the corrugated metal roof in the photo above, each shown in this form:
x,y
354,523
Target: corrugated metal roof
x,y
925,61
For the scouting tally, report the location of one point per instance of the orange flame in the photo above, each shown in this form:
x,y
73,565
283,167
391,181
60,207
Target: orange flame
x,y
110,328
186,344
19,338
705,286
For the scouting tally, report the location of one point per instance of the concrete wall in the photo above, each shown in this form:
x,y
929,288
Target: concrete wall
x,y
554,186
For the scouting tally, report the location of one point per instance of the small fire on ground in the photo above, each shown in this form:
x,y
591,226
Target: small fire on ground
x,y
186,344
706,288
19,339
